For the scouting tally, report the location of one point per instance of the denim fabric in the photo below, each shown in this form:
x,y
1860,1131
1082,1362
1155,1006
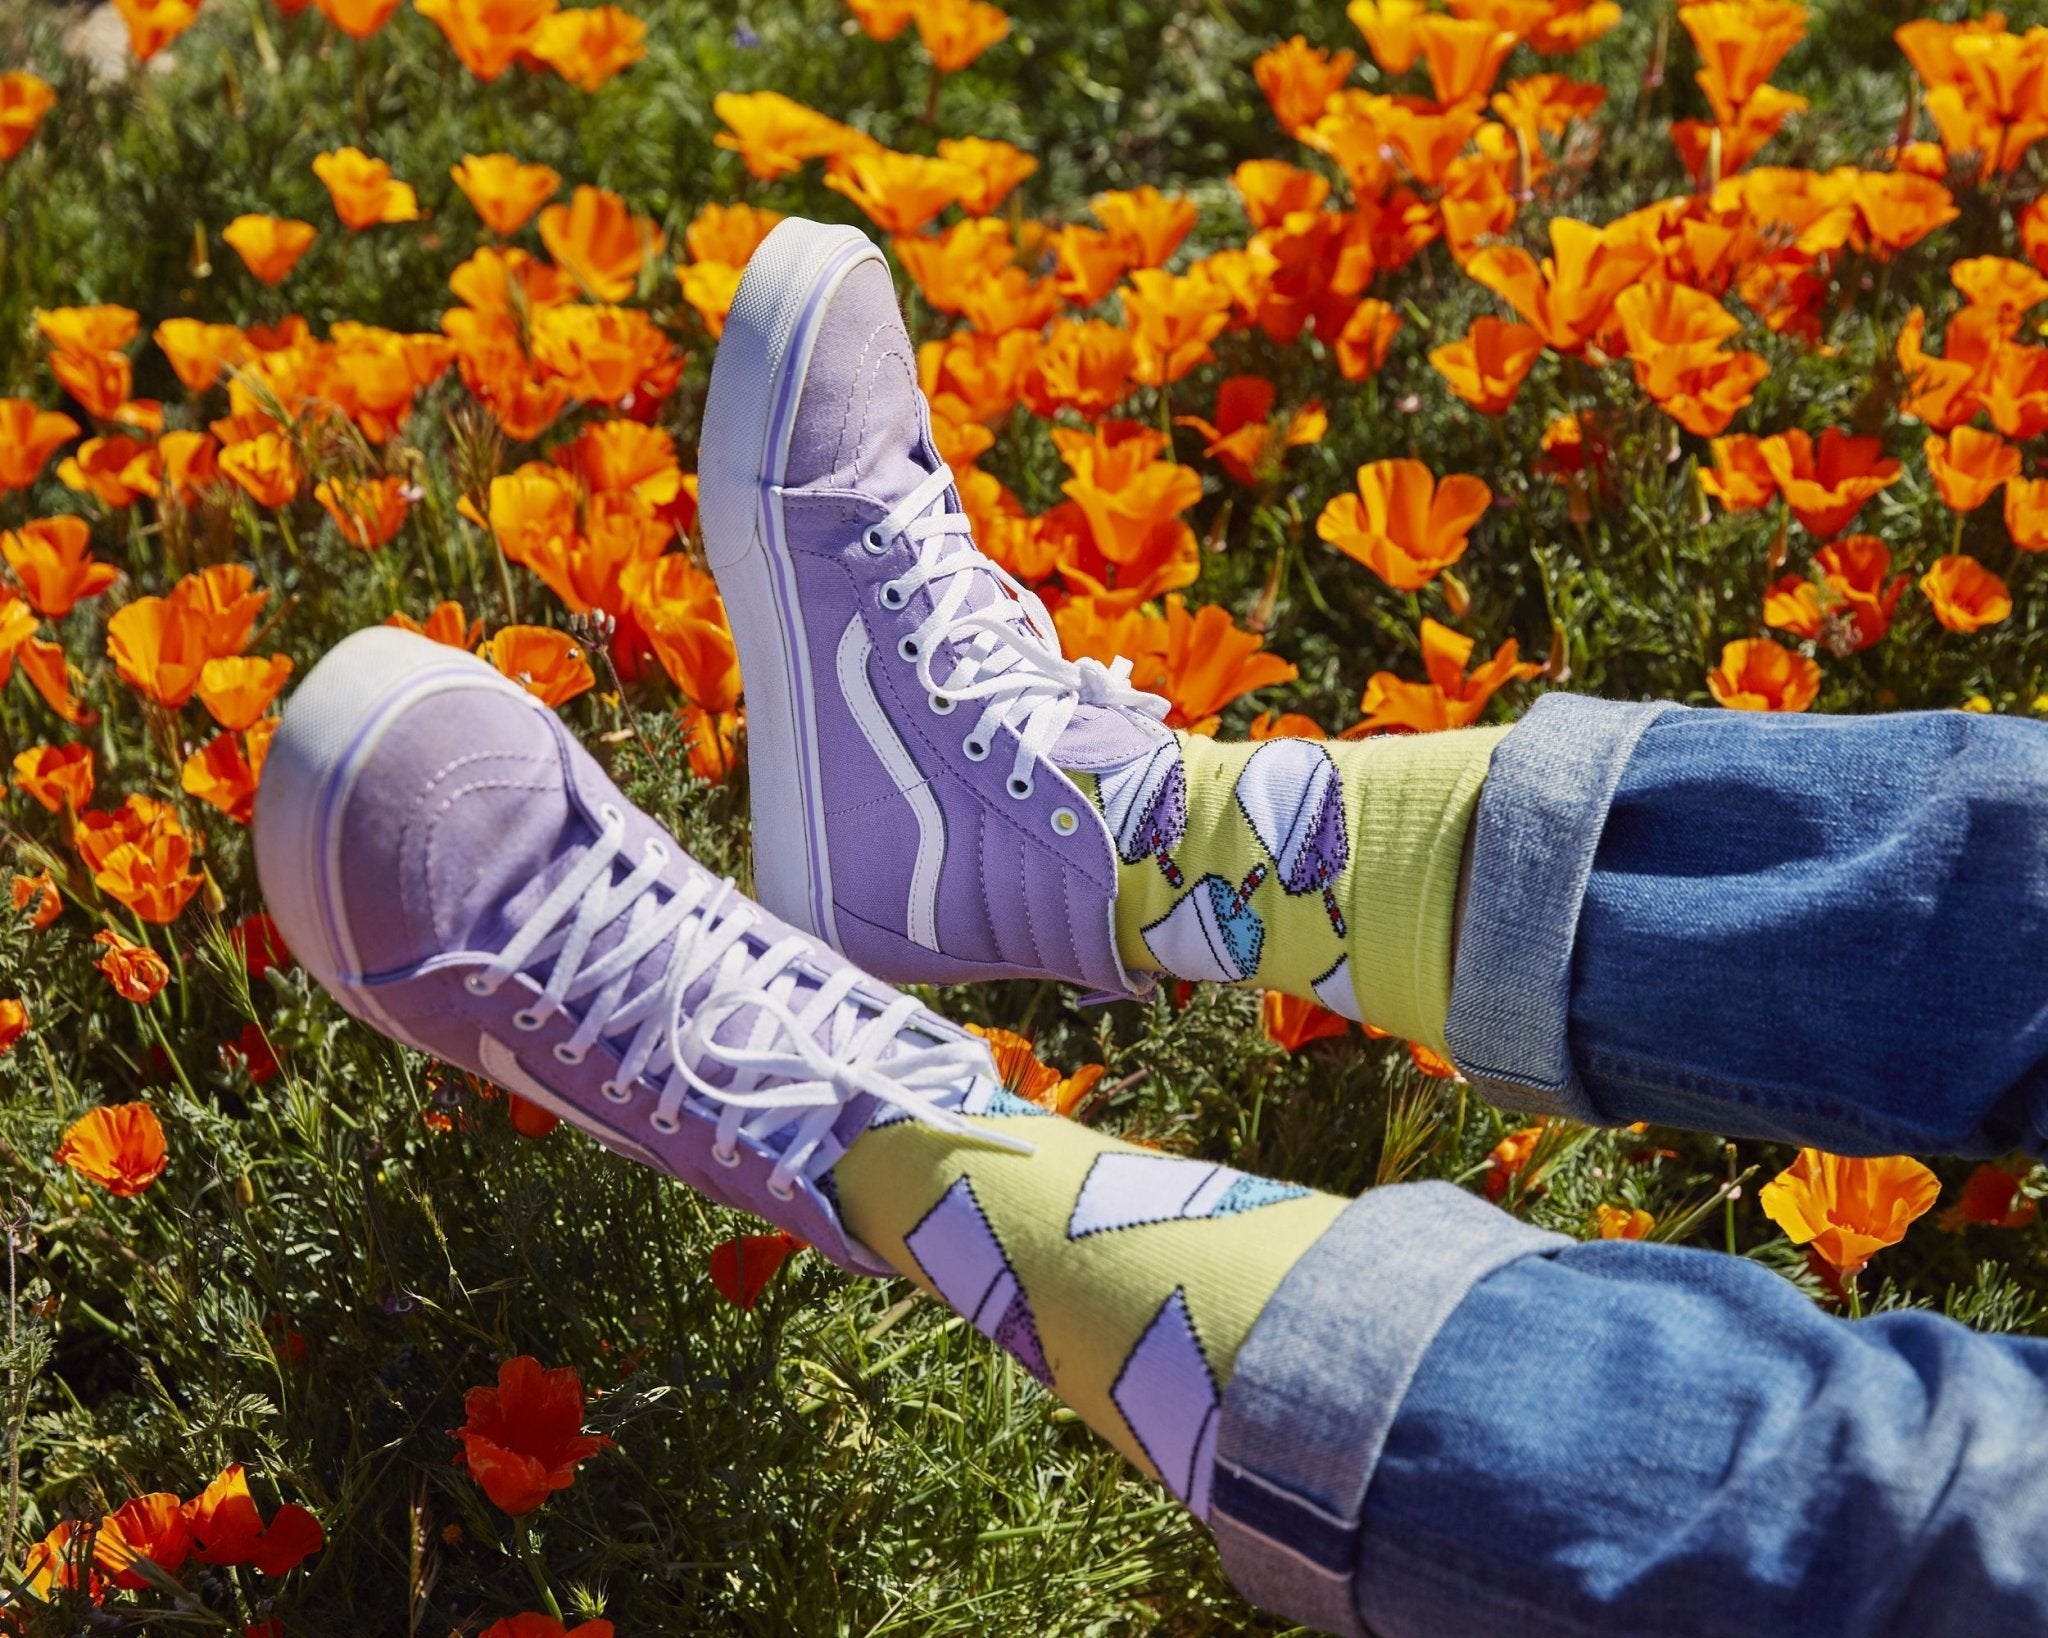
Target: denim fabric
x,y
1315,1386
1640,1441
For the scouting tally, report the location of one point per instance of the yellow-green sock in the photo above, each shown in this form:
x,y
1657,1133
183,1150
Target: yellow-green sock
x,y
1123,1279
1327,869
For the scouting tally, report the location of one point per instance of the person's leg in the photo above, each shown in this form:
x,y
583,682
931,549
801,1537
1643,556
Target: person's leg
x,y
1829,931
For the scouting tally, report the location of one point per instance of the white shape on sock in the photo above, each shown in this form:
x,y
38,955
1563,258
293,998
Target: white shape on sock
x,y
1334,990
961,1256
1129,794
1192,939
1123,1191
1168,1395
1283,789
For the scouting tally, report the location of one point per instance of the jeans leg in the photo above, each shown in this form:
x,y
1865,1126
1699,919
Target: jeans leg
x,y
1826,930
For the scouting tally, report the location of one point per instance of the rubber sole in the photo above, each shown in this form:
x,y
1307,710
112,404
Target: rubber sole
x,y
756,383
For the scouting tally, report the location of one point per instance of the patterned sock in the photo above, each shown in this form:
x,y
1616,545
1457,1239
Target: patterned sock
x,y
1124,1280
1324,868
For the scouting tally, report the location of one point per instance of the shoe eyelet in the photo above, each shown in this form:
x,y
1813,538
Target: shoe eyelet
x,y
909,648
477,984
782,1194
728,1158
610,814
528,1020
975,750
668,1125
1019,789
893,595
616,1093
942,705
872,542
1065,821
566,1054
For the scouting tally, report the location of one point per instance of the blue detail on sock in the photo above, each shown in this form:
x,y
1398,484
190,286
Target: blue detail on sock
x,y
1250,1193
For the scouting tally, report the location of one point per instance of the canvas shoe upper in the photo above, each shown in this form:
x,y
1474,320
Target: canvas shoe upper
x,y
452,865
912,725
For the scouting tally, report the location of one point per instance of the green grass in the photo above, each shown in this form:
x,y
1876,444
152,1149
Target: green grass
x,y
844,1459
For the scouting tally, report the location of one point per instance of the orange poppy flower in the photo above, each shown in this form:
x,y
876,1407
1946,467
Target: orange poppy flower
x,y
1852,609
154,24
63,1562
679,608
236,690
1674,335
1145,226
956,32
1244,435
1510,1158
270,246
1172,320
118,1146
1402,524
548,664
1131,498
1741,478
898,192
1756,674
369,512
1563,27
1623,1222
487,34
1740,42
1291,1023
264,468
503,192
1273,190
883,19
1284,725
949,267
1024,1075
146,1529
2026,513
1964,594
774,134
50,673
1454,696
522,1440
1545,104
227,1528
24,100
52,561
1568,295
13,1024
136,971
28,438
1968,466
1896,210
151,876
116,471
994,169
1208,663
1991,1197
225,771
624,458
158,646
446,624
37,898
1848,1209
606,355
101,382
359,19
57,776
1392,30
1741,134
728,233
743,1267
1010,300
2008,288
1488,366
1463,56
590,44
1298,79
1082,365
364,191
1827,485
2013,387
598,241
1366,339
1087,263
199,352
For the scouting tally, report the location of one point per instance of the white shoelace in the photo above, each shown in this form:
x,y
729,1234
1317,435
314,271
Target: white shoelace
x,y
1006,654
800,1063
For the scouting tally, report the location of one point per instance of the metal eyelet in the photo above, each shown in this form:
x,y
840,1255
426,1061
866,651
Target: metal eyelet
x,y
1019,788
782,1194
666,1124
872,542
909,648
566,1054
942,705
976,750
527,1019
893,595
1065,821
608,812
728,1158
477,984
617,1093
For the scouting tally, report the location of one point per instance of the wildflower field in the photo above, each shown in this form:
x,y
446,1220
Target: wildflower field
x,y
1351,372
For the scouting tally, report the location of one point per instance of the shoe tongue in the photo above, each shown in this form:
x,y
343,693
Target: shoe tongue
x,y
1103,737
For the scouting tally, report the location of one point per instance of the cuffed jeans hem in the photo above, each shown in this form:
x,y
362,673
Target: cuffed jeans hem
x,y
1540,816
1317,1384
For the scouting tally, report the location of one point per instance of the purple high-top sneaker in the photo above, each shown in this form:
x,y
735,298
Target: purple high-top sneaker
x,y
911,722
445,858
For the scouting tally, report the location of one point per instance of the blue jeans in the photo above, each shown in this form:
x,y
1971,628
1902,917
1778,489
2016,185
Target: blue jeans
x,y
1448,1424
